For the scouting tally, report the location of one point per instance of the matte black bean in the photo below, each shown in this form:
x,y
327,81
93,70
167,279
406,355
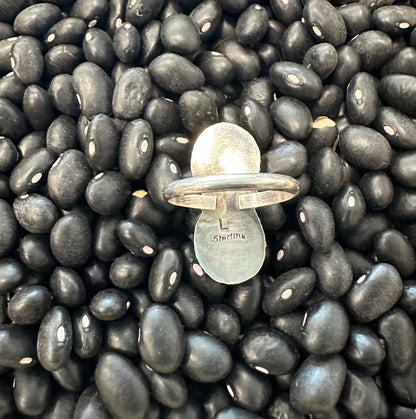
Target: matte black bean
x,y
206,16
223,322
286,12
63,406
377,189
121,336
245,60
295,42
382,287
369,403
107,245
63,58
407,298
325,22
323,135
87,333
95,276
269,351
6,46
8,155
71,240
29,304
325,171
282,407
333,270
402,385
252,25
67,287
11,270
357,18
61,134
191,410
31,142
207,111
132,91
349,63
12,88
322,59
35,252
272,217
259,90
165,274
248,389
108,192
13,123
217,68
126,43
27,60
35,20
163,170
94,89
316,223
236,412
5,191
206,359
188,304
288,291
215,400
170,390
17,346
138,238
402,62
90,404
54,343
128,271
365,147
395,19
71,376
296,80
68,178
32,390
374,47
362,99
151,45
35,213
144,12
70,30
318,383
403,205
229,113
117,378
288,158
175,73
63,95
197,277
391,90
89,11
10,9
365,349
163,115
109,304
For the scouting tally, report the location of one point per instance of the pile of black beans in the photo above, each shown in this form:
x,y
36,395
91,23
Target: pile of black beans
x,y
104,309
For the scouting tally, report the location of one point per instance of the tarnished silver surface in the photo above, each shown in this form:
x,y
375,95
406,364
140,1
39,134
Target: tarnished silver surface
x,y
227,186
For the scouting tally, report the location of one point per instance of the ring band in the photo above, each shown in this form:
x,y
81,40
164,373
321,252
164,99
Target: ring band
x,y
252,190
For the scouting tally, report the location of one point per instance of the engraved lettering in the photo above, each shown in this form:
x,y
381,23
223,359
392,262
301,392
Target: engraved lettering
x,y
217,238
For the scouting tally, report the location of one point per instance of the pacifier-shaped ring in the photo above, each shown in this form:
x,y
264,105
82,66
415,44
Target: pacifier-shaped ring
x,y
229,239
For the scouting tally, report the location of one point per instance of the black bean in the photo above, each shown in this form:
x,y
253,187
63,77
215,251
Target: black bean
x,y
122,336
117,378
151,45
393,247
62,59
286,12
217,68
370,401
13,123
207,16
70,30
365,147
163,115
333,270
89,11
223,322
11,271
168,389
63,95
401,62
87,333
138,238
94,89
188,304
236,413
35,252
374,47
31,142
248,389
67,287
206,358
161,339
32,390
382,286
295,41
35,20
128,271
68,178
318,383
61,134
108,192
90,403
12,88
143,12
63,406
8,155
175,73
407,297
281,406
322,59
126,43
107,245
362,99
403,205
29,304
357,18
71,376
18,346
9,9
71,240
109,304
6,46
398,90
377,189
349,63
55,338
395,19
402,385
27,60
252,25
316,222
272,217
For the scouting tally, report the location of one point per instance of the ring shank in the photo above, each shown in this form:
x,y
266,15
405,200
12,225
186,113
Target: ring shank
x,y
252,190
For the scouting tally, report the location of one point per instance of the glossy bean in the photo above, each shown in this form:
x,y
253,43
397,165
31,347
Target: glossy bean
x,y
109,304
87,333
